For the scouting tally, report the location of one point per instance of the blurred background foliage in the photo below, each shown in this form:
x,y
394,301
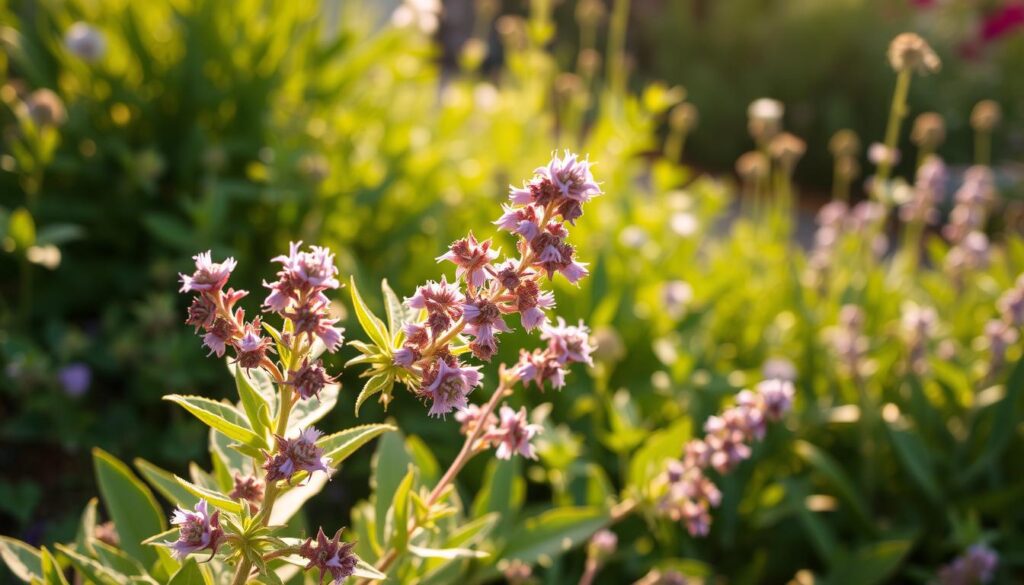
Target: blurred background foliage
x,y
239,126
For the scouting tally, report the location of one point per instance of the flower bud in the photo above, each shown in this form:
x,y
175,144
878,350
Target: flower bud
x,y
910,52
986,115
929,131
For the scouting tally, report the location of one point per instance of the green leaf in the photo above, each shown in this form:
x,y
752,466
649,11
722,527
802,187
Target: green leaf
x,y
833,472
21,228
257,409
52,573
870,565
447,553
23,560
218,499
130,505
380,383
389,463
342,444
189,574
426,464
307,412
398,313
1003,424
502,491
290,502
220,416
551,533
916,460
117,560
165,483
365,570
649,460
400,512
91,570
371,324
87,527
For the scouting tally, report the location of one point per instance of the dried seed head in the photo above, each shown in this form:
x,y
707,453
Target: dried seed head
x,y
929,131
986,115
844,143
752,166
683,117
910,52
764,119
787,149
46,108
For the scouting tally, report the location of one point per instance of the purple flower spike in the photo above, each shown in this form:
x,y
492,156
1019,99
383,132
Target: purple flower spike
x,y
198,530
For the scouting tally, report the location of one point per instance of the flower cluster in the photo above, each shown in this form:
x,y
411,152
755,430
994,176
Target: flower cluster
x,y
298,294
330,556
689,494
1003,332
295,455
927,192
977,566
974,199
198,530
917,326
486,290
509,433
848,341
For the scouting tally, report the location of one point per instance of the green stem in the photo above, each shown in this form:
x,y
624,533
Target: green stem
x,y
617,47
897,111
982,147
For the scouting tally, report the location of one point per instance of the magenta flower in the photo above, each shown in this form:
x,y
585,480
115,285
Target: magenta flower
x,y
220,333
571,176
472,259
303,278
209,276
568,343
472,417
513,433
330,556
449,386
443,303
198,530
309,379
295,455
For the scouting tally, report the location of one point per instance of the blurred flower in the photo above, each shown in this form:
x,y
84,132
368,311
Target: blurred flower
x,y
779,369
314,167
517,572
472,417
879,154
683,117
85,42
917,326
512,434
75,379
45,108
633,236
929,131
676,295
929,188
787,149
1011,304
47,256
986,114
909,52
844,143
568,343
603,544
608,345
471,258
330,556
764,119
424,15
247,488
752,166
198,530
977,566
684,224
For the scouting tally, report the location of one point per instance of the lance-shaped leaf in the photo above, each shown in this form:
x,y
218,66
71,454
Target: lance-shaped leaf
x,y
256,407
190,574
551,533
165,483
218,499
23,560
399,514
91,570
130,505
447,553
371,324
52,572
382,382
223,417
307,412
342,444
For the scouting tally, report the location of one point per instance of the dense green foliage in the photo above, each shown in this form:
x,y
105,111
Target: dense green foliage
x,y
239,126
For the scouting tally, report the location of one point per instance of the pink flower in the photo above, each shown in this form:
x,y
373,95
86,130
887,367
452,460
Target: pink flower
x,y
571,176
513,434
472,417
471,258
442,301
295,455
569,344
523,221
220,333
330,556
405,357
539,367
777,395
449,386
313,319
303,277
209,276
483,319
531,302
198,530
309,379
252,346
